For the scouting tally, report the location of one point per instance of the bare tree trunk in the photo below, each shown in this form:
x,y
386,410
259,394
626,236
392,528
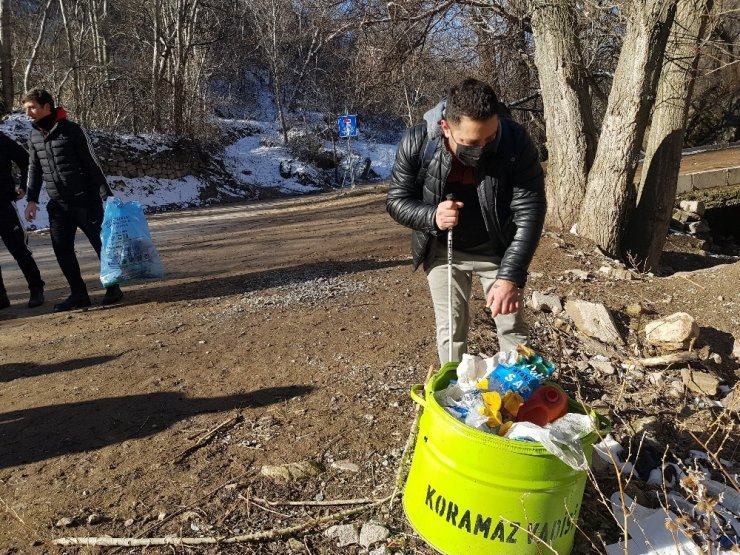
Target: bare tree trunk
x,y
72,56
6,58
36,46
276,74
571,136
649,224
610,187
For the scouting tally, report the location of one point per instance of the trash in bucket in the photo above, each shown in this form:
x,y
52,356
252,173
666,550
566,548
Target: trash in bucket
x,y
470,491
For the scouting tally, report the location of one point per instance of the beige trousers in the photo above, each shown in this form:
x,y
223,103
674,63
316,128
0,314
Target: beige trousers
x,y
511,329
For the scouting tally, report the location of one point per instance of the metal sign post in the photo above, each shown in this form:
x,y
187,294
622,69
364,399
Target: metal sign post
x,y
347,125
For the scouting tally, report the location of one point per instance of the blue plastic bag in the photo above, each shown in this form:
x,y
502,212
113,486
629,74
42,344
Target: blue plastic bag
x,y
128,253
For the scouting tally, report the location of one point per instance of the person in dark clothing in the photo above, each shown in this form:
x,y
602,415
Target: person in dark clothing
x,y
11,228
62,157
470,149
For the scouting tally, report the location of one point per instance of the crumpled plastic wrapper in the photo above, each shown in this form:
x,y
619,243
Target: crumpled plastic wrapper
x,y
562,437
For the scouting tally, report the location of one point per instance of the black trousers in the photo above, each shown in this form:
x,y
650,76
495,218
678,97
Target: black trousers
x,y
64,220
14,237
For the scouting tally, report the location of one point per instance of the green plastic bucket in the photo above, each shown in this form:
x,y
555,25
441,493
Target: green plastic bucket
x,y
469,492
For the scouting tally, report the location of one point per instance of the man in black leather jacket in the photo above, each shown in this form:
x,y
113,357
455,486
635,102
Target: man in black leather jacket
x,y
491,166
11,228
62,158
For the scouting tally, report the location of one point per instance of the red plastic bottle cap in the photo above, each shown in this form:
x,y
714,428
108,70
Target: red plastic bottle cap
x,y
551,395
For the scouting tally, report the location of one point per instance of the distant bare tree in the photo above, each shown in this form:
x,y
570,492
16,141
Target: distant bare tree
x,y
6,56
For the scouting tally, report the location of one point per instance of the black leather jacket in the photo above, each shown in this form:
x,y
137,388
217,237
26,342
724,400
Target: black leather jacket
x,y
10,151
511,194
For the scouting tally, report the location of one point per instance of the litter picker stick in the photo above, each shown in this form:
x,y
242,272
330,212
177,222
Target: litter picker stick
x,y
449,286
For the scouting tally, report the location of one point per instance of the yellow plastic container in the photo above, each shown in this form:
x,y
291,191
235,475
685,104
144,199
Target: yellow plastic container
x,y
473,493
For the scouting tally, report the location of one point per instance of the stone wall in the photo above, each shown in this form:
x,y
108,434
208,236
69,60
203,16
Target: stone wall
x,y
160,160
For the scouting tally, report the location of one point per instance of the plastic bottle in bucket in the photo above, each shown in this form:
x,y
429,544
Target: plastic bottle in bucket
x,y
522,372
546,404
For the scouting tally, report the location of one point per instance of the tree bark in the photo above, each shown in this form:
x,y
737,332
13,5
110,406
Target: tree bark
x,y
36,46
657,192
610,187
6,57
72,57
571,136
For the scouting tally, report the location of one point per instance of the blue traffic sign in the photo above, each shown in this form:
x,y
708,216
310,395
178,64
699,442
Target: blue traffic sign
x,y
347,126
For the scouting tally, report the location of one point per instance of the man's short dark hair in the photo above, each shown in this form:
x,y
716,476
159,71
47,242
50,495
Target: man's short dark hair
x,y
40,96
472,98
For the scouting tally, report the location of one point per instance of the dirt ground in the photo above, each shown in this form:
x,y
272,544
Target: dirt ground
x,y
302,318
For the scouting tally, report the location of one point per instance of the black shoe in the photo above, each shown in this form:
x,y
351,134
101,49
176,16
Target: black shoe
x,y
113,294
4,301
36,298
72,302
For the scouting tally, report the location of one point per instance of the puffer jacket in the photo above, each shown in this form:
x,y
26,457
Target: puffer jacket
x,y
10,152
511,191
64,160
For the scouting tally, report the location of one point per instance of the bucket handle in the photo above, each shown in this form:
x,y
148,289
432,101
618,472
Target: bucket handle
x,y
415,394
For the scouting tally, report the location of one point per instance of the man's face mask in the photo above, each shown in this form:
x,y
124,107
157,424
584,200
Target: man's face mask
x,y
471,156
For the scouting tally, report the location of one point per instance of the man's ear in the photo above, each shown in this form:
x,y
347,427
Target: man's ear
x,y
445,127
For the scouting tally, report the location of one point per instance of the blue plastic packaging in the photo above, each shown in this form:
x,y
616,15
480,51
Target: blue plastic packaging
x,y
128,253
522,376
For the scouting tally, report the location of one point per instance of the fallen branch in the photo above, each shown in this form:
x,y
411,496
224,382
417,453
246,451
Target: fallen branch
x,y
666,360
327,503
207,437
271,534
401,473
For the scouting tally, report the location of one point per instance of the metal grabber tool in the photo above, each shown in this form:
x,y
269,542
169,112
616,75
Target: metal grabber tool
x,y
449,286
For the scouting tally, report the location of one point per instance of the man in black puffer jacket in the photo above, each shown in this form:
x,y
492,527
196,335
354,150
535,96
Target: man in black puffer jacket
x,y
62,157
491,167
11,228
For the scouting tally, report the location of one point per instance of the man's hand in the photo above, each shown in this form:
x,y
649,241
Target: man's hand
x,y
31,211
503,298
447,213
19,193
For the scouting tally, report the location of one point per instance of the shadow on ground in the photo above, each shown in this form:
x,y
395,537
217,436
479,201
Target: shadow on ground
x,y
40,433
14,370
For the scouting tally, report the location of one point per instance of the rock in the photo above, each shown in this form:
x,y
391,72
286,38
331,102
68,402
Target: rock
x,y
633,310
285,169
732,400
296,546
66,522
582,365
345,466
189,515
684,217
94,518
616,273
559,324
695,206
594,320
373,533
603,366
697,228
646,424
700,382
546,303
128,522
292,471
345,534
656,378
582,275
736,349
674,332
